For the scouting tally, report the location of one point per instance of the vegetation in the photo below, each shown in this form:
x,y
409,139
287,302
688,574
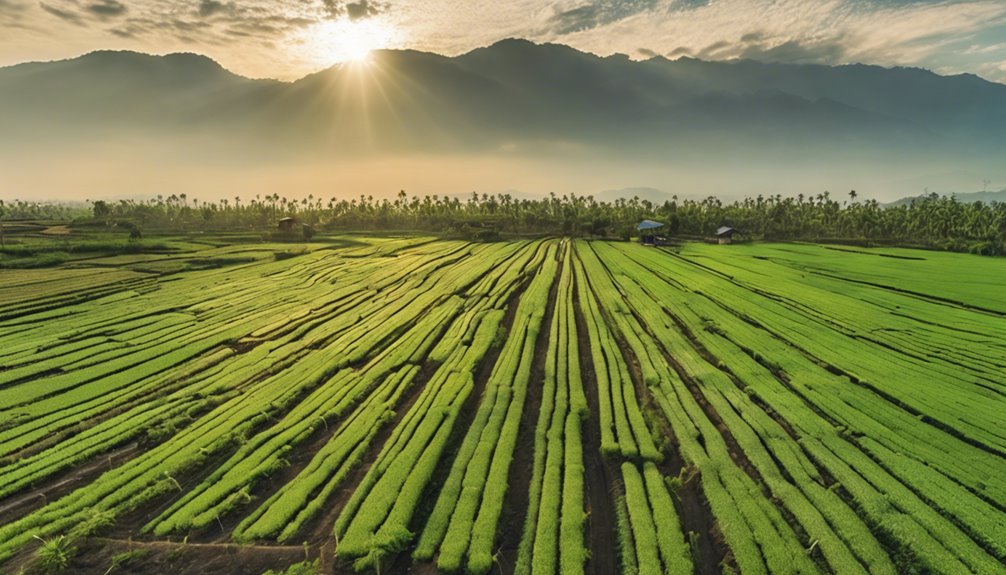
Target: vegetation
x,y
936,222
54,554
541,405
303,568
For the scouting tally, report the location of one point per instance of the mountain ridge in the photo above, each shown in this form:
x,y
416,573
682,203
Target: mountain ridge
x,y
682,119
965,197
609,88
657,59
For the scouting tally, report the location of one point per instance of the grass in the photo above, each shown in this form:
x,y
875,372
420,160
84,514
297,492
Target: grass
x,y
54,554
302,568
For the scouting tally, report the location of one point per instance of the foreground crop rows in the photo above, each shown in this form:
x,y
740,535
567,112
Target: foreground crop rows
x,y
535,407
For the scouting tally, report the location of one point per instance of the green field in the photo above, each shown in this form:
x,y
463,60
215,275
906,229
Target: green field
x,y
553,406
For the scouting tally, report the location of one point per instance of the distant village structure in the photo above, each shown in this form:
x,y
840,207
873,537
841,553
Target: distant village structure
x,y
286,224
648,233
725,234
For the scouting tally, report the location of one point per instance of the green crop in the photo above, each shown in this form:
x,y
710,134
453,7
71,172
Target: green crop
x,y
793,408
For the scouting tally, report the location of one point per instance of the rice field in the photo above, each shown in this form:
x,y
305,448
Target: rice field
x,y
395,405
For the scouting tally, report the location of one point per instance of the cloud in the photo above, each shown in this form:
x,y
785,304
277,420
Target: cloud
x,y
575,19
212,23
208,8
334,8
753,37
353,10
936,34
106,9
65,15
948,36
11,7
794,51
587,16
718,50
689,4
125,32
364,9
12,13
273,26
70,11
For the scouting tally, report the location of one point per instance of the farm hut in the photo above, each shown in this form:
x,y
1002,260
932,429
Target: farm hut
x,y
725,234
286,224
647,232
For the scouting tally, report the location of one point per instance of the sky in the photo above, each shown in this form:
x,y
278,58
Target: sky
x,y
287,40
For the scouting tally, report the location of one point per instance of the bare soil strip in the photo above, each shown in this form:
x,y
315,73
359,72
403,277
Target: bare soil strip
x,y
17,506
99,555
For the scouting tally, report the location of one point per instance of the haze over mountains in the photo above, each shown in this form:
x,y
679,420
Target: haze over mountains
x,y
514,115
965,198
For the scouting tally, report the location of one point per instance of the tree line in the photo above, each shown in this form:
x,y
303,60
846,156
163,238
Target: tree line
x,y
933,221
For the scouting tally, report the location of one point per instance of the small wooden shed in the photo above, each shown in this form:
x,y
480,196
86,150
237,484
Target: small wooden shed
x,y
648,232
725,234
286,224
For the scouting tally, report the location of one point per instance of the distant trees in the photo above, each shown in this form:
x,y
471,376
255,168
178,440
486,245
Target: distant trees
x,y
23,210
932,221
101,210
3,214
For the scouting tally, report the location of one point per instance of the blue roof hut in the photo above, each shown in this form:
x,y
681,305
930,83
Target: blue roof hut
x,y
648,232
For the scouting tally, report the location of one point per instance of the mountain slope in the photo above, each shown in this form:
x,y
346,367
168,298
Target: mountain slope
x,y
516,90
965,198
679,121
107,88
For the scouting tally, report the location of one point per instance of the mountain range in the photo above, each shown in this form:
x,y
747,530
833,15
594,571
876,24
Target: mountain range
x,y
677,123
965,198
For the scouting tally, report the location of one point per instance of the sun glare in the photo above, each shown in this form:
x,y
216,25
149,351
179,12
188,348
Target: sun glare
x,y
346,40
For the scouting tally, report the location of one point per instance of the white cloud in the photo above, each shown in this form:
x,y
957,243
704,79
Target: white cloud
x,y
906,34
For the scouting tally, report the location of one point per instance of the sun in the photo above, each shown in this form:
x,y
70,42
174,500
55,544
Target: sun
x,y
346,40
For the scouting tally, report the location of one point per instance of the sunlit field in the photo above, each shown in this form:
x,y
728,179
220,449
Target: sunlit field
x,y
540,406
423,287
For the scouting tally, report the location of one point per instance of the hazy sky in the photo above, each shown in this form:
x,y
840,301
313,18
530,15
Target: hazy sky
x,y
269,38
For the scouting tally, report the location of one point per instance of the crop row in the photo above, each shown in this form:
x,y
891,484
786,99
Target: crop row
x,y
884,347
623,428
831,421
553,535
755,529
376,520
893,499
267,390
651,537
